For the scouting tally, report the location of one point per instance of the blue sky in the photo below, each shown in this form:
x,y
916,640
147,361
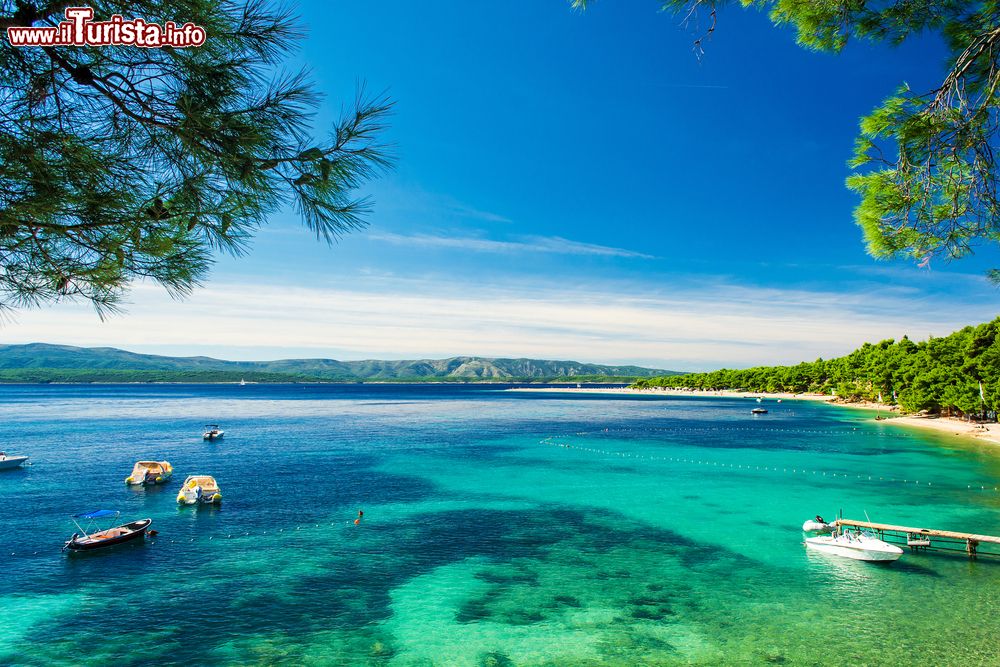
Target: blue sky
x,y
575,185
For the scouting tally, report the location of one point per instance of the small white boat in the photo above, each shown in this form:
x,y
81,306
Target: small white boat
x,y
759,411
212,432
243,382
200,489
859,545
11,462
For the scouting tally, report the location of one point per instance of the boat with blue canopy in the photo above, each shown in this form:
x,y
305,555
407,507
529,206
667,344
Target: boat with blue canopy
x,y
109,536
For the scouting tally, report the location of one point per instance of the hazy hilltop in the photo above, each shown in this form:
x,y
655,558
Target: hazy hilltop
x,y
41,362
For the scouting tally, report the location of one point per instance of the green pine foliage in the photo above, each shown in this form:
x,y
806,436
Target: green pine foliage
x,y
925,165
936,375
121,163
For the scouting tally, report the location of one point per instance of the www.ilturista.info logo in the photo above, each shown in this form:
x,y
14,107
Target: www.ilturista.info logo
x,y
80,30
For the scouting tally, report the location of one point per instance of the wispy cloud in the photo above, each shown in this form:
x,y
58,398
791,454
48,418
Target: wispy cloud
x,y
691,85
544,244
468,212
394,198
686,325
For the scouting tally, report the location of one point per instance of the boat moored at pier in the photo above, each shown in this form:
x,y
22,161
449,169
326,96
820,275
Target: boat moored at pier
x,y
858,545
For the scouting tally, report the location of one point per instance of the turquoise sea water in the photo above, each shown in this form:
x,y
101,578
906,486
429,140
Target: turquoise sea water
x,y
499,528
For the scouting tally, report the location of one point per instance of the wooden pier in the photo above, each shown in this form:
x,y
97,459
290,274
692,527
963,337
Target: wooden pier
x,y
927,538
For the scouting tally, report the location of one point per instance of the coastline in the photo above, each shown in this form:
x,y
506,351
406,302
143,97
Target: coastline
x,y
726,393
538,385
989,433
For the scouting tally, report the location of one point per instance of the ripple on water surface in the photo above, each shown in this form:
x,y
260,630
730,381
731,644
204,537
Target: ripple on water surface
x,y
499,529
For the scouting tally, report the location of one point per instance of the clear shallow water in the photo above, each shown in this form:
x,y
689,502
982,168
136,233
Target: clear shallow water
x,y
500,528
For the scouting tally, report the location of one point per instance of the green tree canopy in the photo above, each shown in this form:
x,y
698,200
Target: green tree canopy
x,y
924,161
120,163
959,373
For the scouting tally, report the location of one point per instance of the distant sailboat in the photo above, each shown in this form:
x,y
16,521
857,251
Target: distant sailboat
x,y
243,382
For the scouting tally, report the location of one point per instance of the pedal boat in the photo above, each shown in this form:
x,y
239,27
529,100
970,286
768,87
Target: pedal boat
x,y
106,537
149,473
199,489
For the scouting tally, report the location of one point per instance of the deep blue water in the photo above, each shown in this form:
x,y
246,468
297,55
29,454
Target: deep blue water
x,y
499,528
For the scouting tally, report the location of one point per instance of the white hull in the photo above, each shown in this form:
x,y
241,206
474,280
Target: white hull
x,y
196,497
864,548
9,462
199,490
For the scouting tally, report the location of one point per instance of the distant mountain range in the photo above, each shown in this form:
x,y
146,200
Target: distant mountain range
x,y
40,362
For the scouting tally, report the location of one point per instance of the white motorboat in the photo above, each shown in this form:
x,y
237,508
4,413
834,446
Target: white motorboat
x,y
11,462
857,545
212,432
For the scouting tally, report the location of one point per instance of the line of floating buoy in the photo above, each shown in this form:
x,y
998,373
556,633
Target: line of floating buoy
x,y
742,429
551,441
223,535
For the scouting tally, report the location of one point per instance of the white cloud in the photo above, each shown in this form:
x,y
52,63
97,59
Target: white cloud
x,y
544,244
408,200
697,325
469,212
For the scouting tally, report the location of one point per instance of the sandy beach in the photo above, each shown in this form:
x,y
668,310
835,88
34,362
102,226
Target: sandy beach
x,y
679,392
984,433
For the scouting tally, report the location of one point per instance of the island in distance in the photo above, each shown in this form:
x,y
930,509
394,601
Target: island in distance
x,y
42,363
